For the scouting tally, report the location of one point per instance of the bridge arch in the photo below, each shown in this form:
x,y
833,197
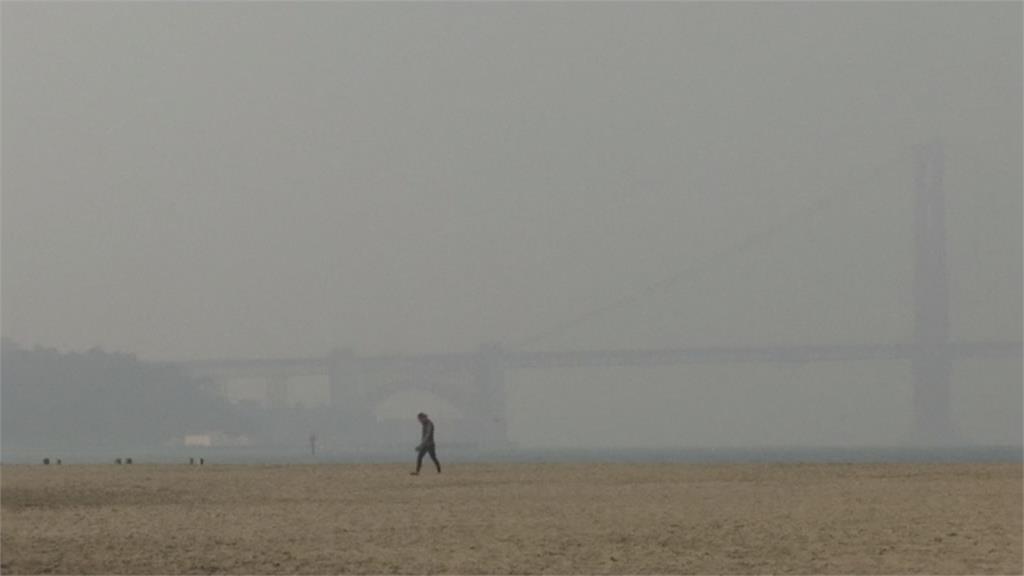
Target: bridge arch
x,y
403,404
463,392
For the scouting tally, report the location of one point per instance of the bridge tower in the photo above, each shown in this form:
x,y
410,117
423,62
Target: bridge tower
x,y
348,398
341,377
489,376
931,362
277,392
277,404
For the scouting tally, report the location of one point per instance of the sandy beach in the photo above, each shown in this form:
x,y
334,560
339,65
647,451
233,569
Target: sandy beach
x,y
513,518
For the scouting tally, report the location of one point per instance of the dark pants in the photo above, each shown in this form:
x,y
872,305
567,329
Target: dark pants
x,y
433,456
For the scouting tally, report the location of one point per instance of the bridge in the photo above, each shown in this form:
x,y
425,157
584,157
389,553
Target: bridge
x,y
475,381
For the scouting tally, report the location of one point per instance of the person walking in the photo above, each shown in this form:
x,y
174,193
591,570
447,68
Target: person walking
x,y
426,445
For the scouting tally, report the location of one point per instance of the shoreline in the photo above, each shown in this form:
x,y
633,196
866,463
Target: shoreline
x,y
233,455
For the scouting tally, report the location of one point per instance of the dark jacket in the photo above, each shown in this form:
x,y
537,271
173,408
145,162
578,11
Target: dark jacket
x,y
428,434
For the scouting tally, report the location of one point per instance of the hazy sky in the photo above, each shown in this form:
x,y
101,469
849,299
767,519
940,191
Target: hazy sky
x,y
190,180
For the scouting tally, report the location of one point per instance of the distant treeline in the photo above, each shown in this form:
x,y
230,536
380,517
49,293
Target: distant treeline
x,y
96,400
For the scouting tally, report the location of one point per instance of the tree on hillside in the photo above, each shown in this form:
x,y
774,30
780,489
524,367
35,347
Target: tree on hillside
x,y
100,400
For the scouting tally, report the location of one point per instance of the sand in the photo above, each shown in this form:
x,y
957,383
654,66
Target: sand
x,y
513,518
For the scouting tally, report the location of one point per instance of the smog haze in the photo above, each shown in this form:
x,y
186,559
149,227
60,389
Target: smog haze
x,y
189,182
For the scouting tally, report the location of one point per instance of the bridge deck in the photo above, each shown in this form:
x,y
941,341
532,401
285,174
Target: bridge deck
x,y
269,367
